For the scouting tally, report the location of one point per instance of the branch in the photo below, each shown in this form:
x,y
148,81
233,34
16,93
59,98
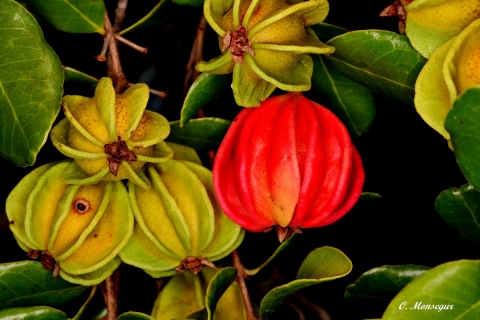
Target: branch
x,y
110,297
195,55
115,70
119,14
243,287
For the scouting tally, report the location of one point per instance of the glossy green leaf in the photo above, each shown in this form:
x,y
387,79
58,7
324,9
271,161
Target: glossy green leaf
x,y
380,285
31,80
217,286
202,91
199,315
280,249
321,265
351,102
156,16
28,282
203,133
76,16
458,207
192,3
131,315
32,313
326,31
367,196
463,124
452,287
382,61
73,75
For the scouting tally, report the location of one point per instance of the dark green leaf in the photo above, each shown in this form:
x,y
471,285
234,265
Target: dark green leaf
x,y
75,76
27,283
452,286
32,313
351,102
380,285
463,124
199,315
156,16
203,90
326,31
280,249
131,315
31,80
367,196
217,287
458,207
321,265
193,3
382,61
204,133
77,16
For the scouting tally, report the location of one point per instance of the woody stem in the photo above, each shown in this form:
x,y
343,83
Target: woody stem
x,y
243,287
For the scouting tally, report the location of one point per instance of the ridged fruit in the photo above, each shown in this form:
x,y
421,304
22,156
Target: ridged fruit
x,y
110,136
185,294
452,68
289,163
266,44
77,231
179,224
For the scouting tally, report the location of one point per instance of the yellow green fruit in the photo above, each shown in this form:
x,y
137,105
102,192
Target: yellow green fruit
x,y
110,136
76,230
431,23
451,69
266,44
179,224
184,294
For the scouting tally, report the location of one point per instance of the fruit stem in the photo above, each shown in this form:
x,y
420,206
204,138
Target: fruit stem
x,y
109,290
243,287
195,55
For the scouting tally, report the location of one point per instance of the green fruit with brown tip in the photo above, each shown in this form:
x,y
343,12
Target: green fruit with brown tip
x,y
179,223
76,231
110,136
266,44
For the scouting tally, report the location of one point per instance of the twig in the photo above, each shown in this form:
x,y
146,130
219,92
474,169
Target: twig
x,y
243,287
160,94
131,44
300,314
115,70
110,298
195,55
119,14
322,314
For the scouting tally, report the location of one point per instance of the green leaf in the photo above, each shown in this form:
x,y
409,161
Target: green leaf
x,y
73,75
193,3
326,31
131,315
367,196
463,124
452,286
76,16
458,207
28,283
382,61
31,80
81,311
351,102
156,16
217,286
33,313
321,265
380,285
199,315
277,252
204,133
202,91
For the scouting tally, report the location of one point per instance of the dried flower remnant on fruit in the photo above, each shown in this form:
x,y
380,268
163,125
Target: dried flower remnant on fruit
x,y
194,264
81,206
117,152
238,44
47,260
396,9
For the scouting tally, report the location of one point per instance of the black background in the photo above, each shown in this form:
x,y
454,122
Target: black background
x,y
405,161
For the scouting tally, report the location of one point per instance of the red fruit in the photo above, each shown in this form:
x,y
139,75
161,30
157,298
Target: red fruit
x,y
289,163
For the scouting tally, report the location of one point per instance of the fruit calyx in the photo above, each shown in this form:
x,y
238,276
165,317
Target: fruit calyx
x,y
195,264
284,233
47,260
238,44
117,152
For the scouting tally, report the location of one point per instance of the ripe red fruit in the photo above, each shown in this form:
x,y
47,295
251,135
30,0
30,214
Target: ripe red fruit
x,y
289,163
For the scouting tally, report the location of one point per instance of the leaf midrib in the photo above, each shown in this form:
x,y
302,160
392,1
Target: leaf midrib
x,y
15,115
82,15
